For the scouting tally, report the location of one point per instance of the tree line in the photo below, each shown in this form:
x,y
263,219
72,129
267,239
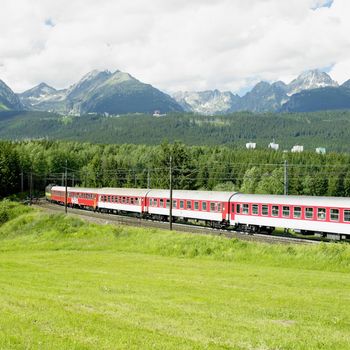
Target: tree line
x,y
194,167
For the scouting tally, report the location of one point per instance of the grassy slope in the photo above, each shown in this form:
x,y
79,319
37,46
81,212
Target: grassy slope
x,y
66,284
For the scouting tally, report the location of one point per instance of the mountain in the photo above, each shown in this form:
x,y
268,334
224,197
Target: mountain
x,y
122,93
100,92
327,98
8,99
44,98
264,97
311,79
207,102
346,84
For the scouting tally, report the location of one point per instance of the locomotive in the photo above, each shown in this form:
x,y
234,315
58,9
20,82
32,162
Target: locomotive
x,y
253,213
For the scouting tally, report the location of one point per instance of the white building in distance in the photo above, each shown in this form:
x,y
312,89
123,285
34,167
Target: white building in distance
x,y
250,145
158,114
274,146
320,150
297,149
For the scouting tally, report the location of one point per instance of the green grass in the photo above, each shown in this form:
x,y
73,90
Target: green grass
x,y
66,284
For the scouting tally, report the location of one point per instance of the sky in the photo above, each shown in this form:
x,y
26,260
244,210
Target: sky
x,y
173,44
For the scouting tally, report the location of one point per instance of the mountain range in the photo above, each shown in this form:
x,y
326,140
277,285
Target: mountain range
x,y
120,93
269,97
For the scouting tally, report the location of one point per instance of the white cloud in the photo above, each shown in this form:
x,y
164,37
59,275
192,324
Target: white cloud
x,y
173,44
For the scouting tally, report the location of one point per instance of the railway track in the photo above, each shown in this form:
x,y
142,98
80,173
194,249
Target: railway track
x,y
102,218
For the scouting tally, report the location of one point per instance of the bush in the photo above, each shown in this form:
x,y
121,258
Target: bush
x,y
4,215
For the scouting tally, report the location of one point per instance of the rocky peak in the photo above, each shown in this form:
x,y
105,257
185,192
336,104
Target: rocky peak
x,y
40,90
8,99
311,79
88,82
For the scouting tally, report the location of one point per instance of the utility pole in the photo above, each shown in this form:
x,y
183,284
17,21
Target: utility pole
x,y
66,190
22,184
31,187
148,179
285,177
73,180
171,194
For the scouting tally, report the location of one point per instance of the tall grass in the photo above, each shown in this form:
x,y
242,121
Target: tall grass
x,y
29,229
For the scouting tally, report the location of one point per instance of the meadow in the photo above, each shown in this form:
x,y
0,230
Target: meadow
x,y
68,284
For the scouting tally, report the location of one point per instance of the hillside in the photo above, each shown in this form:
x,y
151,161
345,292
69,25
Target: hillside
x,y
326,129
326,98
68,284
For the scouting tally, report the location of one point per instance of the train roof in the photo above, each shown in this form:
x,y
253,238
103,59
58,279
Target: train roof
x,y
337,202
135,192
196,195
75,189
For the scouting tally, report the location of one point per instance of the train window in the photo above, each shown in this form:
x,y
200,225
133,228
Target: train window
x,y
275,210
245,209
347,215
196,205
265,210
238,209
109,198
309,213
285,211
321,213
219,208
212,206
188,204
161,203
168,203
137,201
182,204
131,200
335,214
204,205
297,212
174,203
255,209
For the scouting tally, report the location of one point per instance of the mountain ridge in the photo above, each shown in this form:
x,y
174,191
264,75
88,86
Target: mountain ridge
x,y
101,91
264,96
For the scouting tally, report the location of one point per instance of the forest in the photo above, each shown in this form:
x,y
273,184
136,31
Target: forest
x,y
329,129
25,164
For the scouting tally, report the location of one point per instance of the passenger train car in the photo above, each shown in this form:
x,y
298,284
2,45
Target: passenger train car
x,y
324,216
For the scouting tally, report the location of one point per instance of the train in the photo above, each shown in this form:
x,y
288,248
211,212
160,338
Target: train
x,y
327,217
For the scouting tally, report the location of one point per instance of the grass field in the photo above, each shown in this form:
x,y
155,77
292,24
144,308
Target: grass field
x,y
66,284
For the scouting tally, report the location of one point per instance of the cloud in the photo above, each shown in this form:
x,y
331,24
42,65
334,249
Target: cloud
x,y
173,44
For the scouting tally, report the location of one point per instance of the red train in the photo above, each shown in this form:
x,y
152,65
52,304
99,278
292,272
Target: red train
x,y
323,216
